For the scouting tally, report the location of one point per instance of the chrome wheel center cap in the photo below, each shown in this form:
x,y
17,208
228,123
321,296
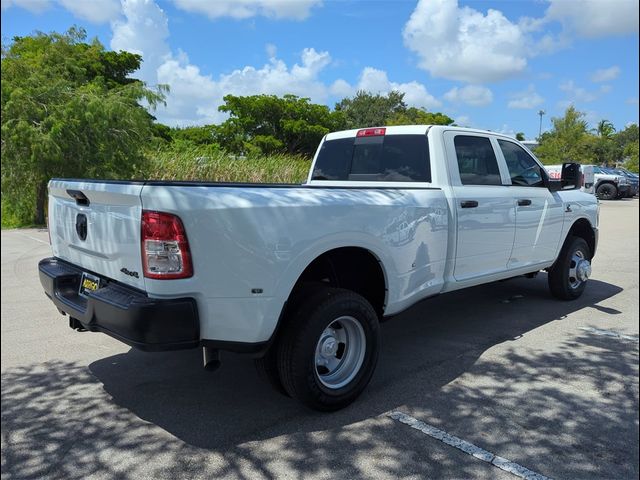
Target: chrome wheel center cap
x,y
329,347
584,270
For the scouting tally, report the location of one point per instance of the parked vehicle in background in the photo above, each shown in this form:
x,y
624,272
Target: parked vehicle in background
x,y
608,185
627,172
632,178
301,275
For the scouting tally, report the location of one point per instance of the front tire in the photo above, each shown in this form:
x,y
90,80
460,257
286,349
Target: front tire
x,y
607,191
329,351
568,275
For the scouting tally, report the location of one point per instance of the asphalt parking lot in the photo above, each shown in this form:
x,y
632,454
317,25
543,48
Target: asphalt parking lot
x,y
551,386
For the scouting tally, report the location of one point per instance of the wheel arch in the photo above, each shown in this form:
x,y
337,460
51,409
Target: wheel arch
x,y
354,268
582,228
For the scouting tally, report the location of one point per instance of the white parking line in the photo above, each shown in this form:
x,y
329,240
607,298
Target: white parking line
x,y
36,239
608,333
467,447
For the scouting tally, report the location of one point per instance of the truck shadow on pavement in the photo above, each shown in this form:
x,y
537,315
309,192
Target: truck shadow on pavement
x,y
58,419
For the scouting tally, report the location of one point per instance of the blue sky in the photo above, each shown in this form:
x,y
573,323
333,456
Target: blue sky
x,y
487,64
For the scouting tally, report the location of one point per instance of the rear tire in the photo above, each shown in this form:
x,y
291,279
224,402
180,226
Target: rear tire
x,y
267,365
607,191
329,349
565,279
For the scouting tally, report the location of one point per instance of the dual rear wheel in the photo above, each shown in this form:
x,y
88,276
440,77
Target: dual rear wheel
x,y
328,349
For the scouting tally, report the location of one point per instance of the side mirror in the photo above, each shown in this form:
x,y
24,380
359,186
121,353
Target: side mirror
x,y
570,178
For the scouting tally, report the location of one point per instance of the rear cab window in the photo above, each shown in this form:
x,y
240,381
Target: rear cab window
x,y
376,158
477,162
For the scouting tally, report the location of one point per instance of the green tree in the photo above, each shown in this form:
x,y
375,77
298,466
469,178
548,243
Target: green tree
x,y
270,124
626,136
368,110
69,109
418,116
200,135
631,156
603,146
605,129
568,140
520,136
627,142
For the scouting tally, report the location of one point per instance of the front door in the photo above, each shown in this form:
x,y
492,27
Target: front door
x,y
539,212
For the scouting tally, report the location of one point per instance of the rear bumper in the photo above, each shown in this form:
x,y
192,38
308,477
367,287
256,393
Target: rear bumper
x,y
122,312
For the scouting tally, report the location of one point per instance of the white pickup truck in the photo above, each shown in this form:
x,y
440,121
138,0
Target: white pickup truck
x,y
301,275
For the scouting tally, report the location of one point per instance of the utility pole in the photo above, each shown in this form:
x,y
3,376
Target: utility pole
x,y
541,113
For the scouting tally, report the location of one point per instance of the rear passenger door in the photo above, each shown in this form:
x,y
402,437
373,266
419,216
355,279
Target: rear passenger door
x,y
485,210
539,212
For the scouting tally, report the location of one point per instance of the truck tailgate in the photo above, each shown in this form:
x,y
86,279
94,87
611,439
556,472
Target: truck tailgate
x,y
96,226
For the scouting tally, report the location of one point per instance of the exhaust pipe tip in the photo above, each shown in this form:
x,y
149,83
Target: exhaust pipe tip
x,y
75,324
211,359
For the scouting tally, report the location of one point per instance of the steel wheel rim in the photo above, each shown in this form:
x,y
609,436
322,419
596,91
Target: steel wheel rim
x,y
339,353
579,269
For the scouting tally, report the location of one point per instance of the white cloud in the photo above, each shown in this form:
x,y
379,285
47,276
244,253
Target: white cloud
x,y
341,88
577,94
377,82
464,44
595,18
144,31
95,11
34,6
415,94
605,74
632,101
271,50
240,9
526,99
141,26
195,97
474,95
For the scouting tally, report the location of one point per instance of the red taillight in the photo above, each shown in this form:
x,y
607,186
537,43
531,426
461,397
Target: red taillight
x,y
371,132
165,249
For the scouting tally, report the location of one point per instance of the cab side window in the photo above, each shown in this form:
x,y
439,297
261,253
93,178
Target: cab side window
x,y
477,161
523,169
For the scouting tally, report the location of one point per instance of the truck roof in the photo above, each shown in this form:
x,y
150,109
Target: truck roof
x,y
410,130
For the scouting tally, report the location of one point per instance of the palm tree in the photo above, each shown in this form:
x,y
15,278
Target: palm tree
x,y
605,129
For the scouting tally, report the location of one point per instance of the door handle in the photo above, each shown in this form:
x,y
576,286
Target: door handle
x,y
524,202
469,204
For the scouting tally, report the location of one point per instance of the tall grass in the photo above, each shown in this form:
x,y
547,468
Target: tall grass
x,y
187,162
212,164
